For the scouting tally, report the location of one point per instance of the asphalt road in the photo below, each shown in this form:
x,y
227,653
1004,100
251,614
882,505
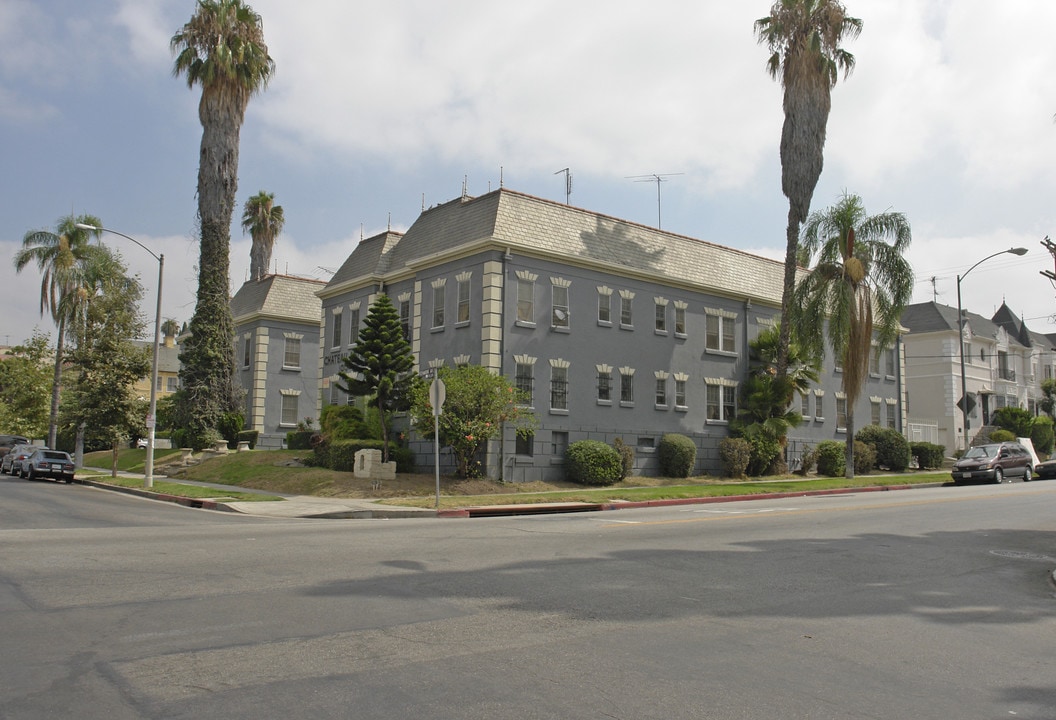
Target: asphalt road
x,y
932,603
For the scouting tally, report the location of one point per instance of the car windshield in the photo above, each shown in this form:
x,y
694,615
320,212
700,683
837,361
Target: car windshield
x,y
981,451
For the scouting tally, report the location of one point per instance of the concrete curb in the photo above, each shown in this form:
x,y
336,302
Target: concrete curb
x,y
544,508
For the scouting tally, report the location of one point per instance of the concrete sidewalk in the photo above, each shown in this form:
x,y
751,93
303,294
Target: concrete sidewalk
x,y
291,506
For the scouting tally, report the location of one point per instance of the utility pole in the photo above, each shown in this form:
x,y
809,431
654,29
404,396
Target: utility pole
x,y
1051,247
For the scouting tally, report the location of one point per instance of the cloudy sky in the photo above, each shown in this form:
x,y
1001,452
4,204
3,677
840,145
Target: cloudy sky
x,y
378,108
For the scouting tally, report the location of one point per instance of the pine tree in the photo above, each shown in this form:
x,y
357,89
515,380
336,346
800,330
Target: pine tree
x,y
380,366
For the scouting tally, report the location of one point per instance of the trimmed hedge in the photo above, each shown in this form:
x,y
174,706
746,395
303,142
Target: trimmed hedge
x,y
677,454
929,455
892,449
341,454
299,439
250,436
735,454
590,462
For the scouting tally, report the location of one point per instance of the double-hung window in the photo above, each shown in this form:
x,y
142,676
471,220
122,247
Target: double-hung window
x,y
721,400
462,313
439,300
604,384
719,332
524,377
335,329
526,296
291,357
559,303
627,386
559,385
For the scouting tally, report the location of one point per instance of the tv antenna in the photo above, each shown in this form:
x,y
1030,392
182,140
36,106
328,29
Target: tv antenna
x,y
568,182
657,178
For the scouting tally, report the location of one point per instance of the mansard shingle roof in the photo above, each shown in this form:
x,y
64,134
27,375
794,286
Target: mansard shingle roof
x,y
278,296
933,317
530,225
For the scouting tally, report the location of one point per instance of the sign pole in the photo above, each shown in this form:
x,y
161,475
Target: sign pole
x,y
437,395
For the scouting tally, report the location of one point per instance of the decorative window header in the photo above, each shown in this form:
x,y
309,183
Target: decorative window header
x,y
439,282
683,377
726,382
603,368
721,313
524,359
464,276
560,282
293,393
559,363
627,294
293,336
527,275
436,363
660,301
603,290
681,304
662,375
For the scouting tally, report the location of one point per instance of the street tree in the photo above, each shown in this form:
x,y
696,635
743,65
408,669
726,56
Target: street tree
x,y
804,39
263,220
106,362
860,284
380,366
59,256
478,404
25,387
222,50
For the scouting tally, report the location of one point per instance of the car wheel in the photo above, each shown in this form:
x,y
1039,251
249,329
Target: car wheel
x,y
31,475
1028,474
999,476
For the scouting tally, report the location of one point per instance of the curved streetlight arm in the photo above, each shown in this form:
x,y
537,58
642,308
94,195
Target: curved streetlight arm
x,y
148,466
157,257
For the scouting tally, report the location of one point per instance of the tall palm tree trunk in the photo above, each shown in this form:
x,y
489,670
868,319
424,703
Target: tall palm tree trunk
x,y
788,289
849,454
56,386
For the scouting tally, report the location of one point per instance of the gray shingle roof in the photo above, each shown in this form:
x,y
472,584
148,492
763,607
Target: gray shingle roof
x,y
279,296
933,317
527,224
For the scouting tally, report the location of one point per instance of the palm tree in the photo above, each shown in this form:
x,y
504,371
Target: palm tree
x,y
59,255
804,38
860,283
263,220
221,49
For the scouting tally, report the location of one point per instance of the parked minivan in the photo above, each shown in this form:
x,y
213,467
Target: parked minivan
x,y
994,462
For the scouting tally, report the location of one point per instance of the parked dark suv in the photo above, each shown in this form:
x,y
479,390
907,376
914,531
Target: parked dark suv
x,y
9,441
994,462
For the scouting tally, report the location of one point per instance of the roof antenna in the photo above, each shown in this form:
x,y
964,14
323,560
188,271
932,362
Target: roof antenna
x,y
465,184
502,182
389,228
568,182
657,178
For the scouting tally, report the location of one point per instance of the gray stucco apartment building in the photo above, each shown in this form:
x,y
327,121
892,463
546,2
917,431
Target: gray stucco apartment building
x,y
617,330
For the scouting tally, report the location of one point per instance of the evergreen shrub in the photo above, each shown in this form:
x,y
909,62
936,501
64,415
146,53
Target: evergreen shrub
x,y
864,458
590,462
892,449
250,436
831,458
677,454
626,457
1042,434
735,454
299,439
1002,436
929,455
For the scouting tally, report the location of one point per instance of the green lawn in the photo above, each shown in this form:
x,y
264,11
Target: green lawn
x,y
281,471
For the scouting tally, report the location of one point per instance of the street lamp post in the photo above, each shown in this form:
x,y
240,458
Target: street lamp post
x,y
960,333
148,467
